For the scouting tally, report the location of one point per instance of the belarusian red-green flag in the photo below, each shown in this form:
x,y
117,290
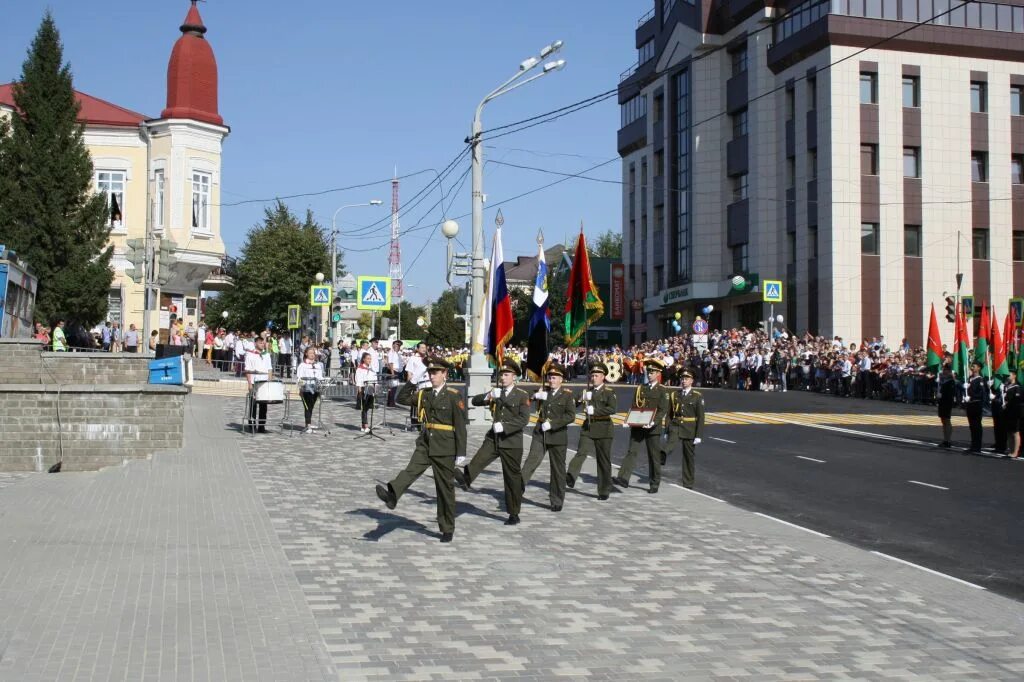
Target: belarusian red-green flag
x,y
583,305
1000,368
961,344
981,345
934,361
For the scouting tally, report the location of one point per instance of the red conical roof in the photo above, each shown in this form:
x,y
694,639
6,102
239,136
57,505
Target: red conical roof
x,y
192,74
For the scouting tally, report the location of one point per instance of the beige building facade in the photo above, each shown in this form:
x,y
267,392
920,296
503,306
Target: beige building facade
x,y
786,142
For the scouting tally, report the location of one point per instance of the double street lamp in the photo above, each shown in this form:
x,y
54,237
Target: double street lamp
x,y
479,372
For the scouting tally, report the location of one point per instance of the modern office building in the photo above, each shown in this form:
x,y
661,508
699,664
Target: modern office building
x,y
861,159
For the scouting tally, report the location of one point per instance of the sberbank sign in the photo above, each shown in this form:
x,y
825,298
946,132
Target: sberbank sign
x,y
676,294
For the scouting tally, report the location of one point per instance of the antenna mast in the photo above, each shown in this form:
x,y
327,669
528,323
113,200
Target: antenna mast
x,y
395,258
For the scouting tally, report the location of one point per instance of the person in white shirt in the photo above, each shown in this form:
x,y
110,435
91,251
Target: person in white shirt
x,y
259,367
365,378
308,372
239,349
395,366
375,354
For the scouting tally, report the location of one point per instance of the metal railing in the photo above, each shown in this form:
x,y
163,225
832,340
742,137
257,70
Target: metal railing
x,y
629,72
645,18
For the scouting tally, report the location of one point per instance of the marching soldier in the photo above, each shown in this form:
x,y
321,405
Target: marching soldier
x,y
650,396
556,411
686,425
597,434
442,414
977,391
510,411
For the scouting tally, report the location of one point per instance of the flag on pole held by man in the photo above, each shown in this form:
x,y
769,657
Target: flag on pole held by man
x,y
934,361
540,320
583,305
497,320
981,344
961,345
1000,368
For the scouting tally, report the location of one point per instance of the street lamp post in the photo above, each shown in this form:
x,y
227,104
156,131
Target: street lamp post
x,y
479,372
336,326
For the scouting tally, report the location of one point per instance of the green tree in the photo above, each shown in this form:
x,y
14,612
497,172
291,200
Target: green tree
x,y
445,329
607,245
278,263
49,211
410,330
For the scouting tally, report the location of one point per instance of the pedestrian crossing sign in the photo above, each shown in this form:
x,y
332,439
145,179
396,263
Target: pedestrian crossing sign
x,y
772,291
320,294
374,293
294,316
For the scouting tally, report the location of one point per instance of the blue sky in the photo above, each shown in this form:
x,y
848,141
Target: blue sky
x,y
322,94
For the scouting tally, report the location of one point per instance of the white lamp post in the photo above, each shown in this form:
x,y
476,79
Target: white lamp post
x,y
479,373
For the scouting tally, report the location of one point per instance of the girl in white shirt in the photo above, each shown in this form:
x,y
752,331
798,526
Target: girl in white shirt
x,y
365,375
308,372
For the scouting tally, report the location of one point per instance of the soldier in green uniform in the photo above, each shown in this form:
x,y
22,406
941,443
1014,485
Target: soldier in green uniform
x,y
649,396
510,412
686,425
597,434
556,410
442,415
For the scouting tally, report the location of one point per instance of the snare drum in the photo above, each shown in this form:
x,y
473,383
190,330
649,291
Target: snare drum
x,y
269,392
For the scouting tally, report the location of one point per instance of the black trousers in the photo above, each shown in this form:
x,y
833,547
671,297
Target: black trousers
x,y
999,426
261,409
365,405
308,402
974,421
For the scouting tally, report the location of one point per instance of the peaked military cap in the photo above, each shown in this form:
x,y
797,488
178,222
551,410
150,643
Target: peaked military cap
x,y
438,363
686,373
555,368
655,364
599,367
509,365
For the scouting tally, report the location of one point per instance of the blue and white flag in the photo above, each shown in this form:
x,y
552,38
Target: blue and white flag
x,y
540,321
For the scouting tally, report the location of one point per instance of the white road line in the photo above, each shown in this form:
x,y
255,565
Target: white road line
x,y
792,525
694,492
852,432
811,459
732,442
930,485
928,570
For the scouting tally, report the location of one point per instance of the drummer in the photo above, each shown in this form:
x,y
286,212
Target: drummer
x,y
309,373
259,367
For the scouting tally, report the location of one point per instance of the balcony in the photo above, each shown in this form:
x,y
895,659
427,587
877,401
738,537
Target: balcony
x,y
649,16
222,278
632,136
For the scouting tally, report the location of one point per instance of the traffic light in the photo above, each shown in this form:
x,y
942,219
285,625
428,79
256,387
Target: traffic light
x,y
950,309
336,310
163,270
135,252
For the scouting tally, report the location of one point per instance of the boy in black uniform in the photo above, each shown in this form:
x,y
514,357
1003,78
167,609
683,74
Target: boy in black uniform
x,y
977,391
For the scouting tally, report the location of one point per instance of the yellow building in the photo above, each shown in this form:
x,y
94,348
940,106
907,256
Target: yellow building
x,y
163,176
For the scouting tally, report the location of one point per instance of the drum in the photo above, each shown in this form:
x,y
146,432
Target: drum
x,y
269,392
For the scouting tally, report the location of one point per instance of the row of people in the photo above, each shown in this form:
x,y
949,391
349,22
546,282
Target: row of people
x,y
442,442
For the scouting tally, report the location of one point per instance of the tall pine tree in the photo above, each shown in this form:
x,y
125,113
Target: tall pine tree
x,y
49,210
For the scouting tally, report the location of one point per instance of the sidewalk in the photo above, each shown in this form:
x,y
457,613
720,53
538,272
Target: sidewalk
x,y
270,557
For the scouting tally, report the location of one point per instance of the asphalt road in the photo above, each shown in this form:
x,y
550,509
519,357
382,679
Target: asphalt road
x,y
868,484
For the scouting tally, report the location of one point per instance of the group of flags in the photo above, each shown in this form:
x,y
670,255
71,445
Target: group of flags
x,y
999,355
583,306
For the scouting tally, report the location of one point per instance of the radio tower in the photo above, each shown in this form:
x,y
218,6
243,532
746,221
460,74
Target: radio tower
x,y
395,259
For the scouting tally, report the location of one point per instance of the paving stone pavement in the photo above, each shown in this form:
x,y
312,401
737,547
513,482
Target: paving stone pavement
x,y
162,569
674,586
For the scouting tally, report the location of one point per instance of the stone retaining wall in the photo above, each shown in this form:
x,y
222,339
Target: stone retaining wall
x,y
98,425
22,361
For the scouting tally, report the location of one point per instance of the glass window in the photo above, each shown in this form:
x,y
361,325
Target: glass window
x,y
979,166
739,60
1018,245
740,261
1017,169
201,201
812,93
979,96
812,241
869,159
1016,100
739,187
791,239
873,9
790,172
912,240
868,88
911,162
812,164
739,123
645,52
659,108
979,244
682,86
911,91
790,104
158,200
111,184
869,239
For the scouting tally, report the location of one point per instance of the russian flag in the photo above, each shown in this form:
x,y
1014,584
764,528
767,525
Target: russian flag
x,y
496,329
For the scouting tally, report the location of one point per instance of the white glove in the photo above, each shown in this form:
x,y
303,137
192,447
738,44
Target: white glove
x,y
590,409
545,426
625,425
589,395
495,392
541,395
966,386
696,441
650,426
498,428
460,461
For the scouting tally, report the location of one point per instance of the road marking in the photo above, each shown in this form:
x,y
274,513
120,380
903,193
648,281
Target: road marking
x,y
930,485
811,459
723,440
928,570
792,525
854,432
691,490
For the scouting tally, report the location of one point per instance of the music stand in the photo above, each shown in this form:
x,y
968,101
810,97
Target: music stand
x,y
375,387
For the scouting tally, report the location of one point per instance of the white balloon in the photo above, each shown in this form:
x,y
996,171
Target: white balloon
x,y
778,318
709,308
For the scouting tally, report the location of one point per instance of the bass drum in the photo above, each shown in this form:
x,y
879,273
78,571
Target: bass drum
x,y
614,372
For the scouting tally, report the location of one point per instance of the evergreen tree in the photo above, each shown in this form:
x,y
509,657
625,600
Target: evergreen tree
x,y
445,329
49,211
278,263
